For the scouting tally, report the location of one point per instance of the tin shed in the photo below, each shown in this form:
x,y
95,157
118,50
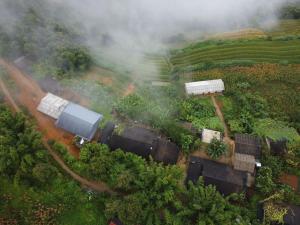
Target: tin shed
x,y
204,87
79,121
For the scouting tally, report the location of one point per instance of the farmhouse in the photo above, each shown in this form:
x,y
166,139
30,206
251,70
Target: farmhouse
x,y
79,121
209,135
130,145
142,142
204,87
52,105
247,152
226,179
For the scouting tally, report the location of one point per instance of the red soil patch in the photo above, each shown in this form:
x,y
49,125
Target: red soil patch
x,y
100,75
290,180
129,90
29,95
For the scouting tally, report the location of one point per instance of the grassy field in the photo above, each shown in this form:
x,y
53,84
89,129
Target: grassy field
x,y
258,51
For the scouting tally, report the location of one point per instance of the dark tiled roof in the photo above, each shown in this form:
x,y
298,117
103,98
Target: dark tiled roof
x,y
278,147
293,215
130,145
248,144
140,134
107,132
166,152
226,179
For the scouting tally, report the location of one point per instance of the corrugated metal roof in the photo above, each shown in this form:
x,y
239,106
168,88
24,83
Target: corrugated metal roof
x,y
248,144
52,105
79,121
204,87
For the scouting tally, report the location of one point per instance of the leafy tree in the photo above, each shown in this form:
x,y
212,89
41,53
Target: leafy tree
x,y
216,149
264,181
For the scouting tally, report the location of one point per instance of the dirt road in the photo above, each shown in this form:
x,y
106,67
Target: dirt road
x,y
8,96
97,186
29,94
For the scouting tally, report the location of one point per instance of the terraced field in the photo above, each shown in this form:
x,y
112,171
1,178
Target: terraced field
x,y
257,51
156,68
286,27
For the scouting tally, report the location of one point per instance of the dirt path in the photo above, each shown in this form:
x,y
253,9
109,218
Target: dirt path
x,y
220,115
8,96
227,138
29,94
97,186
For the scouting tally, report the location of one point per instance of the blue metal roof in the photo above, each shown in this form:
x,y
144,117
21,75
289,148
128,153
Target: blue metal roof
x,y
79,121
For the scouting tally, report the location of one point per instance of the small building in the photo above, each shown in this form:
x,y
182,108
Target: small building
x,y
244,162
209,135
248,145
79,121
277,147
204,87
226,179
292,216
107,132
52,105
145,143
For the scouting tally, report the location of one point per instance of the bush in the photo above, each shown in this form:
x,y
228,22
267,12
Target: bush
x,y
216,149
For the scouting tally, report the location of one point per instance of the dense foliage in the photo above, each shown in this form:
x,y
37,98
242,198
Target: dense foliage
x,y
32,189
153,189
52,48
216,148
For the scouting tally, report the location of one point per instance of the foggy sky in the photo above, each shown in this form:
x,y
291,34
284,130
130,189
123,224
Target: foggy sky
x,y
136,26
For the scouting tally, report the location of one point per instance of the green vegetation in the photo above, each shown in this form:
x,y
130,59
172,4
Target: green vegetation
x,y
52,47
200,112
216,149
220,54
155,190
33,190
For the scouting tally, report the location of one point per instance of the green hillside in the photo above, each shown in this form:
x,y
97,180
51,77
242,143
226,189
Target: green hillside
x,y
256,51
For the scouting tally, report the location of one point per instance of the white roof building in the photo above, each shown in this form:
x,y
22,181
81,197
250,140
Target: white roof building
x,y
52,105
208,135
204,87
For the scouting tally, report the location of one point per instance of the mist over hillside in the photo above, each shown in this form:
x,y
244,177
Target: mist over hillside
x,y
122,31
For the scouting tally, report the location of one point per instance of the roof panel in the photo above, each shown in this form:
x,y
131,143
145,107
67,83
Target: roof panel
x,y
79,121
52,105
204,87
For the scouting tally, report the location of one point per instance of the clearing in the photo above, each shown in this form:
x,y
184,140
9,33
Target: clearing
x,y
29,94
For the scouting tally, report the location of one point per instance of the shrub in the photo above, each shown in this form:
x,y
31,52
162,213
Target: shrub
x,y
216,149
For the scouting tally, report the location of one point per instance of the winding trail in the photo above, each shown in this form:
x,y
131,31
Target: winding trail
x,y
24,82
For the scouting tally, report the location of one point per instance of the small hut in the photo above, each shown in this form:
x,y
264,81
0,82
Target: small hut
x,y
209,135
